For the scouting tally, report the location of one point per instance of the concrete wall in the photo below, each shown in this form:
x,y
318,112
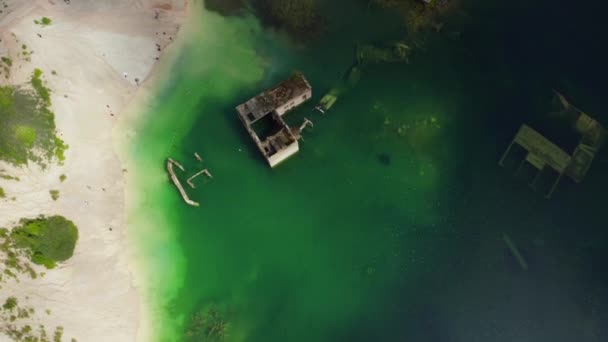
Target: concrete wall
x,y
282,155
294,102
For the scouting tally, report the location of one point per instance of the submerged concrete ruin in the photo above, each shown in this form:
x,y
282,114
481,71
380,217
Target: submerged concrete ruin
x,y
262,116
551,161
366,54
177,183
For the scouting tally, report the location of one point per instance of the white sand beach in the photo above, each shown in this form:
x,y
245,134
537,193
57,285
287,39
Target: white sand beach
x,y
95,56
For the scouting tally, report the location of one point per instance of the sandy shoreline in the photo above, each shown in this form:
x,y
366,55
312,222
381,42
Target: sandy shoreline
x,y
102,54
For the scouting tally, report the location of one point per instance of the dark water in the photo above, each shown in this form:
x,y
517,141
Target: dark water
x,y
388,225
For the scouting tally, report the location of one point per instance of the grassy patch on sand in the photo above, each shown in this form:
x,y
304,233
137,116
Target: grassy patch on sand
x,y
43,92
13,261
25,135
27,125
8,177
7,61
47,240
10,303
44,21
14,317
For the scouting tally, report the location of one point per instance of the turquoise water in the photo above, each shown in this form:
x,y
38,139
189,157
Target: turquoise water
x,y
387,225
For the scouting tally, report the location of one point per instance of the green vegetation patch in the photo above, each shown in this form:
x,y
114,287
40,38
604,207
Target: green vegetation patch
x,y
43,92
11,324
27,125
44,21
7,61
2,193
9,177
62,178
60,148
25,135
58,334
10,304
48,240
54,194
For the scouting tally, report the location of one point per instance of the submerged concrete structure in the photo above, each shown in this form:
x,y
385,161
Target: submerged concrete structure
x,y
262,116
550,160
177,183
367,54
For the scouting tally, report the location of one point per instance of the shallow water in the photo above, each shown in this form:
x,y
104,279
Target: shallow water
x,y
369,234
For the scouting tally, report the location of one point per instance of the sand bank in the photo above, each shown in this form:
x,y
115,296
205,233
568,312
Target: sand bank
x,y
95,57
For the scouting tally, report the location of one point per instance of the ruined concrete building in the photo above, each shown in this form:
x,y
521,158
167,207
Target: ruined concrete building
x,y
263,118
552,162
